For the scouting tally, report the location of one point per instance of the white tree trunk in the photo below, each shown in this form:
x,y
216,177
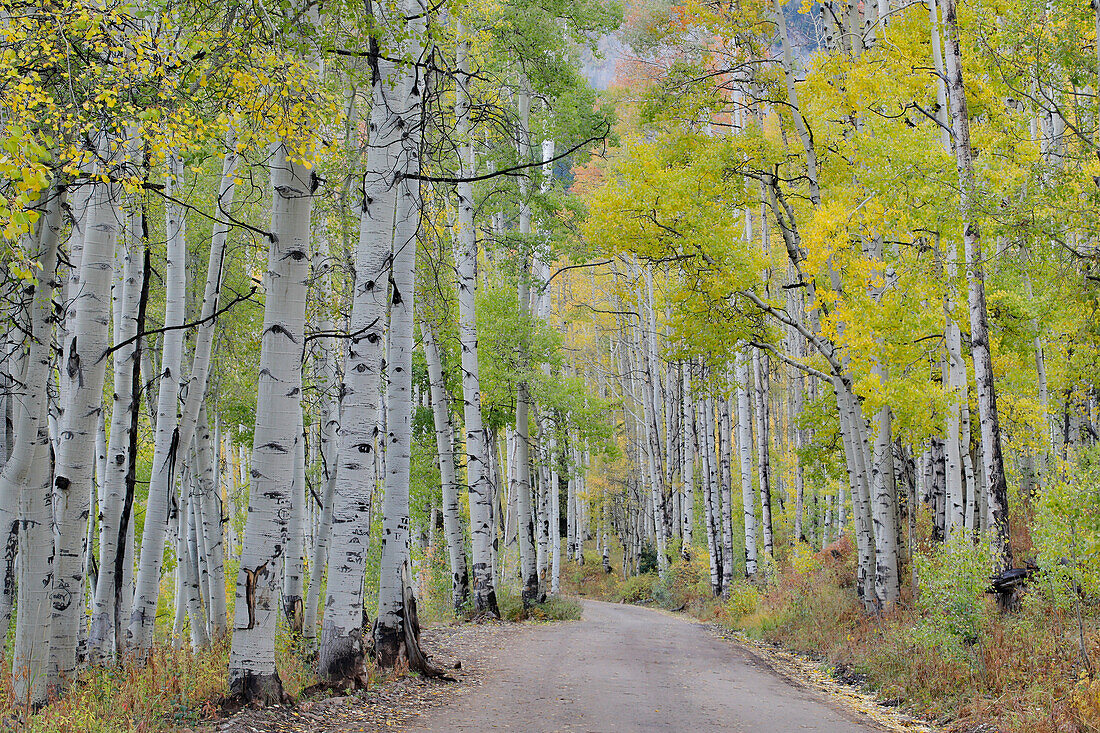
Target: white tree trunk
x,y
209,506
997,494
166,445
853,429
524,506
294,559
687,470
327,382
30,368
724,450
571,506
230,475
341,659
95,496
82,206
477,476
706,450
651,403
554,518
112,530
83,371
744,451
887,580
955,384
252,672
186,558
650,444
172,434
763,458
395,629
33,618
444,439
25,481
541,485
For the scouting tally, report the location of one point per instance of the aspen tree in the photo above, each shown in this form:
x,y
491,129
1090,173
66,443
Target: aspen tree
x,y
83,370
687,470
705,421
744,449
208,507
396,629
26,477
30,373
477,456
444,437
326,378
524,504
725,478
174,431
112,533
341,656
989,420
252,672
294,558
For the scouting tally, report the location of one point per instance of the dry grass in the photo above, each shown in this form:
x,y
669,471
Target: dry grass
x,y
175,689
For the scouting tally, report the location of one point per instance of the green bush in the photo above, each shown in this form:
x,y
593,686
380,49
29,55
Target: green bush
x,y
1066,532
647,559
685,583
556,608
638,588
744,598
952,603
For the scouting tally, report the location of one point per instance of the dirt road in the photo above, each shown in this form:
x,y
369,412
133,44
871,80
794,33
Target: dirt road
x,y
624,668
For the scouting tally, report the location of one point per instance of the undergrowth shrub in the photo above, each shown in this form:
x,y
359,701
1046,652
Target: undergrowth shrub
x,y
1083,704
436,603
1066,532
684,585
174,689
744,599
555,608
637,588
804,561
953,606
647,559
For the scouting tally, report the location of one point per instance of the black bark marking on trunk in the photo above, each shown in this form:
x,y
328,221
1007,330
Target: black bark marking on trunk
x,y
402,643
171,460
277,328
293,611
343,660
251,577
485,597
61,597
72,365
132,448
261,689
11,548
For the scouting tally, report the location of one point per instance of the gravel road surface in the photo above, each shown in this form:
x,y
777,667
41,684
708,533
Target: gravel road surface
x,y
625,668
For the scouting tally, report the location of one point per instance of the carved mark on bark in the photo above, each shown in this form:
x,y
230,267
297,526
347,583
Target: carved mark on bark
x,y
251,578
11,547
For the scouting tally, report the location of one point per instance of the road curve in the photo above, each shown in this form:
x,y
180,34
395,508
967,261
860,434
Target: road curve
x,y
625,668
